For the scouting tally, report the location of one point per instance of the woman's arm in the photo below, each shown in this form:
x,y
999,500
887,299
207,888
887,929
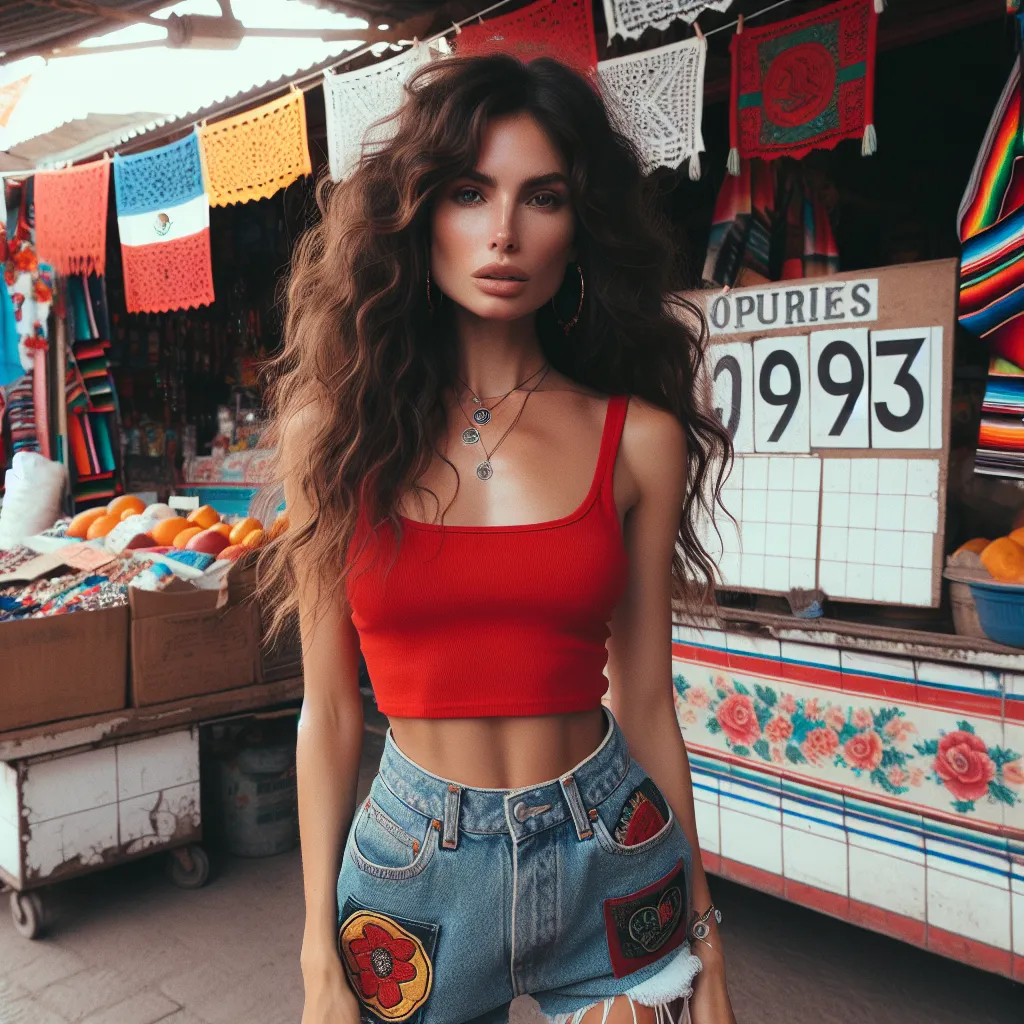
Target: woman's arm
x,y
328,748
640,654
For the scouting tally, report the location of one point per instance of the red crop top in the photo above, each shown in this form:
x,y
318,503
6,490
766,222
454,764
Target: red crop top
x,y
475,621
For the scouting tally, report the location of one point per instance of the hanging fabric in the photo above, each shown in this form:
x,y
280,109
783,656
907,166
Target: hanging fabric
x,y
769,224
163,217
631,18
563,29
71,217
990,223
10,363
803,84
358,99
656,98
257,153
29,281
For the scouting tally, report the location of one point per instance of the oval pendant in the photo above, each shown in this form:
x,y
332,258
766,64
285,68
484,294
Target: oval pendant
x,y
484,471
470,435
481,416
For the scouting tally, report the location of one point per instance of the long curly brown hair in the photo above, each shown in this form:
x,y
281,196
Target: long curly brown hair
x,y
362,348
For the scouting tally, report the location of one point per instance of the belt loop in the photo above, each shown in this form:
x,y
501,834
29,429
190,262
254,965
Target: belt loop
x,y
450,832
576,808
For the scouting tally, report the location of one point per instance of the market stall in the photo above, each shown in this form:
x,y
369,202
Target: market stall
x,y
857,734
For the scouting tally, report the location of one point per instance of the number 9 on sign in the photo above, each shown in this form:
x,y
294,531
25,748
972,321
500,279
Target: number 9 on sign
x,y
839,388
781,401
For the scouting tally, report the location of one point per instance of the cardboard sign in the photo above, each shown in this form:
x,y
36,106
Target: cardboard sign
x,y
842,380
87,557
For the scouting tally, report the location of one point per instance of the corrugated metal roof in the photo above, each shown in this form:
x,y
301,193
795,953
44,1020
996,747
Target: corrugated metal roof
x,y
27,27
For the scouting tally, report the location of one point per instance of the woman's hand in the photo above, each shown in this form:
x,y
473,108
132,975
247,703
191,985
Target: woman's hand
x,y
709,1003
329,1000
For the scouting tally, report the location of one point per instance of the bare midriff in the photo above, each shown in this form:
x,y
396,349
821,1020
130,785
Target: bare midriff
x,y
500,753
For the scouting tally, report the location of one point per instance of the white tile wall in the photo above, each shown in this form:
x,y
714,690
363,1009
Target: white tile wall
x,y
751,840
889,882
815,860
706,816
969,908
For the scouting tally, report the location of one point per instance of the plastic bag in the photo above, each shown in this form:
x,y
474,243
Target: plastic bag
x,y
35,491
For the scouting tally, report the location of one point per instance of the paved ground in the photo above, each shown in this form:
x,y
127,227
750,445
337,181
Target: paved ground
x,y
128,948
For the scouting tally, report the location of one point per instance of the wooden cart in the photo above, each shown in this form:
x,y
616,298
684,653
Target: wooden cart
x,y
80,795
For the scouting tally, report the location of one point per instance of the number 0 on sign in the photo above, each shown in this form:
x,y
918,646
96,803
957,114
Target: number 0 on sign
x,y
732,374
781,395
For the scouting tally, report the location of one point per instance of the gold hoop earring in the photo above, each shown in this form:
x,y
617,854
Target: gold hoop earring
x,y
569,325
430,301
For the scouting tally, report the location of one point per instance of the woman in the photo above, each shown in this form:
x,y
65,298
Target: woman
x,y
473,510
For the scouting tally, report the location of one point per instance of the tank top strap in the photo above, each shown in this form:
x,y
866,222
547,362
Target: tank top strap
x,y
615,419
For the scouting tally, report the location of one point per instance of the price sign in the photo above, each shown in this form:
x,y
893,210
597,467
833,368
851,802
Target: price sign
x,y
901,388
781,398
839,389
732,375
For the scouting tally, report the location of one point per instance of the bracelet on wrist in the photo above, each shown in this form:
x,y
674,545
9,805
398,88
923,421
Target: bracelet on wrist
x,y
700,927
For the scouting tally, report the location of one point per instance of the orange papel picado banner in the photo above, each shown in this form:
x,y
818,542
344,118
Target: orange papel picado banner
x,y
255,154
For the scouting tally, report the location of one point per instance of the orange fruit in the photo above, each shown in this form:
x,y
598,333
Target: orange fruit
x,y
166,530
1017,536
281,523
79,526
119,504
204,517
255,539
101,526
232,553
243,528
1004,559
978,544
184,536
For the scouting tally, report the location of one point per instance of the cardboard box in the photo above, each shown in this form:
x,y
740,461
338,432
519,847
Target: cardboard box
x,y
63,667
184,645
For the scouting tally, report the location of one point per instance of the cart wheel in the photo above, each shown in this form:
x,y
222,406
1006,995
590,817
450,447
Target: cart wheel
x,y
189,867
28,913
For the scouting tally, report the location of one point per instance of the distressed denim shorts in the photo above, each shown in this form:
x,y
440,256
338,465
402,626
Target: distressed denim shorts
x,y
453,900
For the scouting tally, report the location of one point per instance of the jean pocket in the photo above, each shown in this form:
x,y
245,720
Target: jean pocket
x,y
388,839
636,818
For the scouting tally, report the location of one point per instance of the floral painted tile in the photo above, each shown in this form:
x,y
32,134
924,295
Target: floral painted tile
x,y
871,745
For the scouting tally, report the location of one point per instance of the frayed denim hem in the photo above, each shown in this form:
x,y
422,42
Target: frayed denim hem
x,y
674,981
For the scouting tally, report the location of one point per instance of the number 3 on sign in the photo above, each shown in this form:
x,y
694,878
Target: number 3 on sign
x,y
781,402
901,374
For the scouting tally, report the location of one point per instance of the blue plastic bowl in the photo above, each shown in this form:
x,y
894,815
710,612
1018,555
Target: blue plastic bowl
x,y
1000,612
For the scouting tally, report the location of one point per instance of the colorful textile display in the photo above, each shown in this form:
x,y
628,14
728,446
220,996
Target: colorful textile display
x,y
255,154
358,99
71,217
563,29
29,282
631,18
10,363
656,98
163,216
769,224
990,223
803,84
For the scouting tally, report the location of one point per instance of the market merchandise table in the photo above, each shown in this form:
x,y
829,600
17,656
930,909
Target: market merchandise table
x,y
83,794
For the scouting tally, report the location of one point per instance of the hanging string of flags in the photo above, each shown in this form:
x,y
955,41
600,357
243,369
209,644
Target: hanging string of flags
x,y
797,85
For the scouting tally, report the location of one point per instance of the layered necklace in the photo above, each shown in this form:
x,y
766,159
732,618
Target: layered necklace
x,y
482,415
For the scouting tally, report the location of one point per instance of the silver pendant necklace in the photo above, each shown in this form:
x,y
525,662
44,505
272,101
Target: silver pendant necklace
x,y
484,470
483,414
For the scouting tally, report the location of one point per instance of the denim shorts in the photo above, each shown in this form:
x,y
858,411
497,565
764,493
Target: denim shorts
x,y
454,900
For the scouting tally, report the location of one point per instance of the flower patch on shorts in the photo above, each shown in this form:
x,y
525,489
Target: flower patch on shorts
x,y
648,924
643,815
388,963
